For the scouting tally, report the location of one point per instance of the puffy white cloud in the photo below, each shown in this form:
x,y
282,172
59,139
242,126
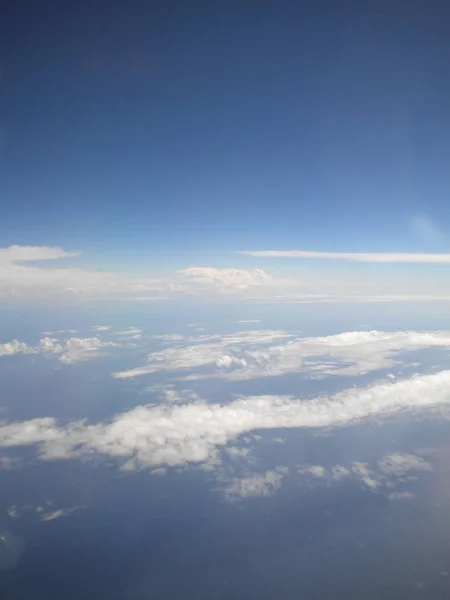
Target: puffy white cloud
x,y
14,347
376,257
227,277
314,470
249,355
71,350
77,349
194,432
401,463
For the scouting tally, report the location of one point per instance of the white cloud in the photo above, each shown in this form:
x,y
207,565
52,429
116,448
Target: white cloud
x,y
206,351
401,463
255,485
70,351
249,321
57,514
375,257
176,435
20,279
101,327
314,470
129,332
14,347
249,355
383,476
227,277
22,276
20,254
78,349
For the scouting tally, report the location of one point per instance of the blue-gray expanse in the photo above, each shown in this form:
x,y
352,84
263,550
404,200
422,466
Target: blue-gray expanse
x,y
212,451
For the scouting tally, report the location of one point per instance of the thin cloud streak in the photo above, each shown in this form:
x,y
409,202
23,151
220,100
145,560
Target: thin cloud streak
x,y
375,257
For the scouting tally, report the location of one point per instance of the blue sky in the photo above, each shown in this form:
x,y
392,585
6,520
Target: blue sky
x,y
161,136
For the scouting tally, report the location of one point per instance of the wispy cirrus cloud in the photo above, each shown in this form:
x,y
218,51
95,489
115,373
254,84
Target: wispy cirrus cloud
x,y
373,257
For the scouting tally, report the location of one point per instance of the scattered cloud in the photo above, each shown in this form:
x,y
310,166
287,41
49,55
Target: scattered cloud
x,y
250,355
400,463
314,470
373,257
195,432
208,350
255,485
44,515
70,351
382,477
101,327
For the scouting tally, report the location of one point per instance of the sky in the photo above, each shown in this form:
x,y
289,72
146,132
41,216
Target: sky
x,y
159,136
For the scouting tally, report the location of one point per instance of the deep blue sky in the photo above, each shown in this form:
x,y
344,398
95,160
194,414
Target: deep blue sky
x,y
168,129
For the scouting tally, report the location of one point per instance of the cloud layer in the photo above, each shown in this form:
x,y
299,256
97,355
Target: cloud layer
x,y
253,354
22,276
194,432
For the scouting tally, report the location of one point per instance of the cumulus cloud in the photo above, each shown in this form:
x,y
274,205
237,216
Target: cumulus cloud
x,y
227,277
250,355
314,470
375,257
195,432
70,351
400,463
